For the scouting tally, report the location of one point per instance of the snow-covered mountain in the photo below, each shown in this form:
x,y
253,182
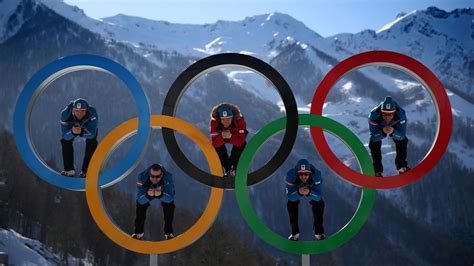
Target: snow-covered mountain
x,y
257,35
25,251
441,40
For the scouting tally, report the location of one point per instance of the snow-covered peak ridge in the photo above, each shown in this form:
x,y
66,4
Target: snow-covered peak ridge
x,y
399,18
265,20
436,30
73,13
257,35
457,22
439,13
77,15
260,35
443,41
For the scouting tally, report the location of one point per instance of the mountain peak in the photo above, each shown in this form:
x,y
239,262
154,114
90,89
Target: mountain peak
x,y
401,14
277,18
442,14
436,12
223,35
431,15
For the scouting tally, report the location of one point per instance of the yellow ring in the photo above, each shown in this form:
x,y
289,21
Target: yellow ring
x,y
94,199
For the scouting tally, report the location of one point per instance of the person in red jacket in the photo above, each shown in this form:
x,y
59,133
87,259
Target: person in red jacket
x,y
227,125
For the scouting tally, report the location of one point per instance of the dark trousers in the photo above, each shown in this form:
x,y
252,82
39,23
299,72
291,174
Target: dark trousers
x,y
229,162
140,216
401,147
376,152
68,153
318,211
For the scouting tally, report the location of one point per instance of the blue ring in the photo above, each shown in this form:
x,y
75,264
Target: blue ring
x,y
40,81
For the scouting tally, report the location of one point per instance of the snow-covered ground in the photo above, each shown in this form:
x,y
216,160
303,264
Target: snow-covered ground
x,y
25,251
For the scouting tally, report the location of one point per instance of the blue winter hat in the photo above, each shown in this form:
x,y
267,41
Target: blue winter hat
x,y
388,105
80,104
225,112
303,166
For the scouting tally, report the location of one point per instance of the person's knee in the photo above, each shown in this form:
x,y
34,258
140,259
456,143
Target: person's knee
x,y
91,142
317,204
169,204
239,148
403,141
375,144
142,206
294,203
221,148
66,142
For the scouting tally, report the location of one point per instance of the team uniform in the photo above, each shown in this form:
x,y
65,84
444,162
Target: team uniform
x,y
376,126
89,131
315,184
238,129
143,200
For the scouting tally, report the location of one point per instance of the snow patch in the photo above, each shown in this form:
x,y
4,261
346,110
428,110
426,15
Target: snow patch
x,y
25,251
389,25
346,87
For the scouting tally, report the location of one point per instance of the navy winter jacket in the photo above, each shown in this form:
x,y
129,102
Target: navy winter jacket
x,y
166,186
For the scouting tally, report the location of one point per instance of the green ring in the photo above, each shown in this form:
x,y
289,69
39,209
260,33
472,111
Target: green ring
x,y
361,215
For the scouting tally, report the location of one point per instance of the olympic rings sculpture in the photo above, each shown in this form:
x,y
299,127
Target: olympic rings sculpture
x,y
142,125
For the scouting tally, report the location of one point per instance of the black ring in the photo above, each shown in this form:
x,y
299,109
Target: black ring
x,y
209,64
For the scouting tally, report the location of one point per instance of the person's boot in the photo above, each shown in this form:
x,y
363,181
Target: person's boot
x,y
320,236
403,169
69,173
294,237
138,236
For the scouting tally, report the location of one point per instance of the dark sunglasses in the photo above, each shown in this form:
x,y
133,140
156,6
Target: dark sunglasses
x,y
154,176
303,174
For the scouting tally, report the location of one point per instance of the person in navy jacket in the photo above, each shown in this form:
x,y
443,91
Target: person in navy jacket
x,y
388,119
305,181
154,183
78,119
227,125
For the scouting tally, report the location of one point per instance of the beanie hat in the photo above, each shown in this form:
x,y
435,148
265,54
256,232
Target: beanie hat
x,y
388,105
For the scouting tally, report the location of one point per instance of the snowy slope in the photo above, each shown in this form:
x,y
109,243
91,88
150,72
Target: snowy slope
x,y
25,251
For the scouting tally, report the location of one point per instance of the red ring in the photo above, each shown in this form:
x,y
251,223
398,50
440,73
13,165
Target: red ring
x,y
423,75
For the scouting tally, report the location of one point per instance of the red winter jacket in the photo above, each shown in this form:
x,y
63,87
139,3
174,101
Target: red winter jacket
x,y
238,128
